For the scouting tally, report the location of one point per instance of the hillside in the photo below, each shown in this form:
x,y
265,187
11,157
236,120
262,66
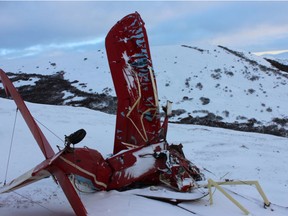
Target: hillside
x,y
221,154
213,85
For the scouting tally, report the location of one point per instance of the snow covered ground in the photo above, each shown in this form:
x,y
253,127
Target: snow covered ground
x,y
226,154
236,86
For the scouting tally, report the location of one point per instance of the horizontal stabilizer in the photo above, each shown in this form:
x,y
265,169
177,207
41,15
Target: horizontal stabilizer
x,y
24,180
37,173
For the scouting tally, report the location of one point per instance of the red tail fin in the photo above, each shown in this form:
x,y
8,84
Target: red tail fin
x,y
138,121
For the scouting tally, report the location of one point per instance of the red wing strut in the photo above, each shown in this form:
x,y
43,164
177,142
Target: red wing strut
x,y
69,191
138,120
47,167
34,128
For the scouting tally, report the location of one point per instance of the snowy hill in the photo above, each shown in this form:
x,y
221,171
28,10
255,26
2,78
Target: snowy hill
x,y
213,85
281,57
221,154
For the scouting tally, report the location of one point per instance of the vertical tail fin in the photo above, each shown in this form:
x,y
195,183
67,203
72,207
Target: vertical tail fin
x,y
138,119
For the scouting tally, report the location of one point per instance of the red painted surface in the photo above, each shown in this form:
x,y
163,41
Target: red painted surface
x,y
138,121
87,163
69,191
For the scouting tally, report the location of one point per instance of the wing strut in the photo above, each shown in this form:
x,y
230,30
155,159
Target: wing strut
x,y
69,191
48,152
34,128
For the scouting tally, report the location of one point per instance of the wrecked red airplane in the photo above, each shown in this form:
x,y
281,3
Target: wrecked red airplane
x,y
142,156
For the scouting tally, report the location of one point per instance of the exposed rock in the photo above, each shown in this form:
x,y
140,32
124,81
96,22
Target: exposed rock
x,y
50,89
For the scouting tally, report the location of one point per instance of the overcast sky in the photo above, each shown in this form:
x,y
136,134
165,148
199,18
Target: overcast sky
x,y
32,26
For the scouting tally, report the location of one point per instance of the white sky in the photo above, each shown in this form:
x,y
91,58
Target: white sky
x,y
29,27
